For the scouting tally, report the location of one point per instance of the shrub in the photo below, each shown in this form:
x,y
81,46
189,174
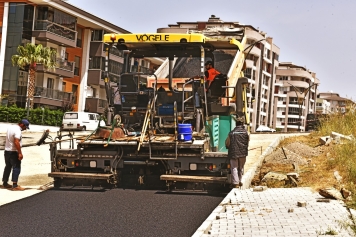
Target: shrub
x,y
13,114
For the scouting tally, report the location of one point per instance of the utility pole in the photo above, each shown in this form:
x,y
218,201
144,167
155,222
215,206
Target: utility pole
x,y
301,100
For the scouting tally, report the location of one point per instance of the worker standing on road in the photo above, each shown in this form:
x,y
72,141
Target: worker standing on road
x,y
210,72
13,154
237,143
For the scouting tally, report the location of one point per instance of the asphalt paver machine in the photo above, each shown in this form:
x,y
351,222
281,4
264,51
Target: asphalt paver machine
x,y
171,127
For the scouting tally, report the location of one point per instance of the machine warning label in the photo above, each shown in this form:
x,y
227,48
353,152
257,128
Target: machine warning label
x,y
152,37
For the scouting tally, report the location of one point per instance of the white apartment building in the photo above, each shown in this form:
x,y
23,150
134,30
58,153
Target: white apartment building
x,y
336,103
294,96
322,106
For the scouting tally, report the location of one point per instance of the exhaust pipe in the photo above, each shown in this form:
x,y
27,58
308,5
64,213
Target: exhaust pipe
x,y
170,75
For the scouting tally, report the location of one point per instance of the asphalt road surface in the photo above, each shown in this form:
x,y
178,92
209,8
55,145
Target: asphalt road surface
x,y
115,212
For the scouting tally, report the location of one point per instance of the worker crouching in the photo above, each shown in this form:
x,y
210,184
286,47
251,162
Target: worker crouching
x,y
237,145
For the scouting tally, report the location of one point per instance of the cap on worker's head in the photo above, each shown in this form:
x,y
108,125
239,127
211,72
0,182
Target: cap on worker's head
x,y
240,119
26,123
208,63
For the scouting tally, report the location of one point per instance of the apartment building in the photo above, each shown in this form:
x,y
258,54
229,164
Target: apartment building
x,y
76,35
322,106
294,96
336,103
261,61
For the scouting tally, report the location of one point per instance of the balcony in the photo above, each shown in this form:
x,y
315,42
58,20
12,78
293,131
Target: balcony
x,y
97,49
95,77
95,105
135,68
46,96
55,33
64,68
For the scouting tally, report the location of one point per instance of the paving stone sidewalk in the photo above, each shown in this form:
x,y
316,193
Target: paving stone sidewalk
x,y
274,212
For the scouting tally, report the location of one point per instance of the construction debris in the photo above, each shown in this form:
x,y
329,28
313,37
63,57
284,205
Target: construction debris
x,y
323,200
274,176
331,193
293,178
259,188
302,204
345,193
335,134
325,140
337,176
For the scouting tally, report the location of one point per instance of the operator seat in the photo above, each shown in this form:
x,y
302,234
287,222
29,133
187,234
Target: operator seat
x,y
216,90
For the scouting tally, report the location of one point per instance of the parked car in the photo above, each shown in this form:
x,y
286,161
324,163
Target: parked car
x,y
81,121
263,128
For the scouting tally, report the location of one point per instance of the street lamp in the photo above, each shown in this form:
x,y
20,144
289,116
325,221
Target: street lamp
x,y
301,100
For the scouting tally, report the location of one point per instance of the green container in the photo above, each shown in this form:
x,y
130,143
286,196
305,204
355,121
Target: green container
x,y
212,127
226,124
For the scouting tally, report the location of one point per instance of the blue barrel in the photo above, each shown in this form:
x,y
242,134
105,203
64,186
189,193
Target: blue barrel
x,y
185,132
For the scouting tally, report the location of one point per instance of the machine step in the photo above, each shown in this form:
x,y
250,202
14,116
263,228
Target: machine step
x,y
193,179
79,175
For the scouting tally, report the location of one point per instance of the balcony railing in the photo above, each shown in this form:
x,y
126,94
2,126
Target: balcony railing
x,y
52,94
115,52
102,103
55,28
65,65
135,68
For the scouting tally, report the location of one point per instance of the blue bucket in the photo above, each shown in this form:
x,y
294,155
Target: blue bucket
x,y
185,132
184,136
184,128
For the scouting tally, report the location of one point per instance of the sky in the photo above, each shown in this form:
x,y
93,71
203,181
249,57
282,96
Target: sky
x,y
317,34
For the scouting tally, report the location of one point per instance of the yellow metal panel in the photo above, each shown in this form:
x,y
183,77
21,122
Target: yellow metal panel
x,y
155,38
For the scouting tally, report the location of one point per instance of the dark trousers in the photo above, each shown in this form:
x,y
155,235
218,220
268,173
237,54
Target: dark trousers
x,y
11,163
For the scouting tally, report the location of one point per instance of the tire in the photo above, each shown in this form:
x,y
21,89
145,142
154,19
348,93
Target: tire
x,y
84,128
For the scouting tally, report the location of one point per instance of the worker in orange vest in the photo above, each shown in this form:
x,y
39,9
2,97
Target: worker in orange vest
x,y
210,72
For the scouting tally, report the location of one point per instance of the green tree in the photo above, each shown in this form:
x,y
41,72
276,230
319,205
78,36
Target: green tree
x,y
28,57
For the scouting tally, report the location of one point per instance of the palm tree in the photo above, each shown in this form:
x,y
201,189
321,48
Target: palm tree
x,y
28,57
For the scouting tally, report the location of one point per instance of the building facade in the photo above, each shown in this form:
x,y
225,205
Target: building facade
x,y
295,93
77,82
336,104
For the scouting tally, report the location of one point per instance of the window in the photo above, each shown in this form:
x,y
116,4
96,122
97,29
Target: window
x,y
77,65
293,111
97,63
97,35
248,72
91,116
71,115
64,86
283,78
74,90
79,37
50,83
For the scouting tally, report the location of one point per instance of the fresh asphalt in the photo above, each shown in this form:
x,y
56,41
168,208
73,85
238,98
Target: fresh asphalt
x,y
115,212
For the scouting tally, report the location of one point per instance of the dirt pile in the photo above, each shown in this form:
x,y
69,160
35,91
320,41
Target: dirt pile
x,y
303,150
295,152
